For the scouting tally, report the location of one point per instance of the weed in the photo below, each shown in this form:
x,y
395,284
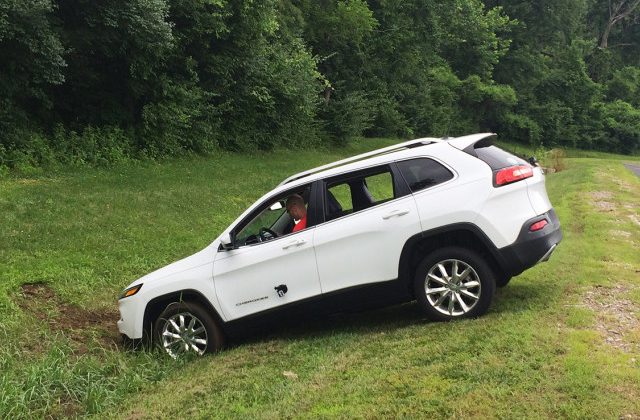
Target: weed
x,y
558,159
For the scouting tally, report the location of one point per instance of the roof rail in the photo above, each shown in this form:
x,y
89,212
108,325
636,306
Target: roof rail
x,y
406,145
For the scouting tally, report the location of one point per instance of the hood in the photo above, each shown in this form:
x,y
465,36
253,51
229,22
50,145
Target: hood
x,y
198,259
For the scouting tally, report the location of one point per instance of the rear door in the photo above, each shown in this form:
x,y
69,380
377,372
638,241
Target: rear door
x,y
369,216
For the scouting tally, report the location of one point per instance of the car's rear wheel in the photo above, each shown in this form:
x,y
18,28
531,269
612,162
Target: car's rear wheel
x,y
453,283
186,327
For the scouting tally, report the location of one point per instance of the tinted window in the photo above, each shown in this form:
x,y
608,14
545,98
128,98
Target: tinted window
x,y
423,173
345,196
380,186
495,157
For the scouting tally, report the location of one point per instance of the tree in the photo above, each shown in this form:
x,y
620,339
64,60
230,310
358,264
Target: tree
x,y
31,60
618,11
117,50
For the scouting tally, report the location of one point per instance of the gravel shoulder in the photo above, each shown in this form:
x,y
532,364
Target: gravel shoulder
x,y
635,168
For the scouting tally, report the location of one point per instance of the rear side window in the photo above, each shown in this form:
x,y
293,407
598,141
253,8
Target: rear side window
x,y
494,156
353,193
423,173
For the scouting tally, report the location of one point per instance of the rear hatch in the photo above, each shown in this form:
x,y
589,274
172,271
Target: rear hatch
x,y
508,168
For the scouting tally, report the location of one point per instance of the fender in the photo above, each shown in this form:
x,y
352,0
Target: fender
x,y
465,234
158,304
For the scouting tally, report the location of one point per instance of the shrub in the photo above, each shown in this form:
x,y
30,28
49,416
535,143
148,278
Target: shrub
x,y
558,159
349,116
522,129
621,126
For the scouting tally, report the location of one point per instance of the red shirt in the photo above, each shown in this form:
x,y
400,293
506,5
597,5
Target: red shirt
x,y
301,224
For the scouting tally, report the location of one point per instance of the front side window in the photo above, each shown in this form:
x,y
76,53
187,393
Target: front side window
x,y
423,173
279,216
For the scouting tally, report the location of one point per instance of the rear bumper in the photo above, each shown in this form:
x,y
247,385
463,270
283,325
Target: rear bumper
x,y
531,248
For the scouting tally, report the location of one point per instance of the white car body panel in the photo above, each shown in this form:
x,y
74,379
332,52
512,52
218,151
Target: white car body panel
x,y
364,247
462,143
191,273
504,212
246,277
537,192
458,200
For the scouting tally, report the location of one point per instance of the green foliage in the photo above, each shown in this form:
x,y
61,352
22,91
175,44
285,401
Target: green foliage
x,y
180,76
181,119
522,129
621,127
31,60
349,116
117,50
93,147
625,86
471,44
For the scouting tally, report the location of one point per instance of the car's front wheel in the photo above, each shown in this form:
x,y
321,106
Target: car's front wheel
x,y
186,327
453,283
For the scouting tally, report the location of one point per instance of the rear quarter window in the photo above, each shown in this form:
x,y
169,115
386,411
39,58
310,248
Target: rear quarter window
x,y
423,173
494,156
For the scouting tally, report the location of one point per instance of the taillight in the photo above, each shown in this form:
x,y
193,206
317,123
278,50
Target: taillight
x,y
513,174
538,225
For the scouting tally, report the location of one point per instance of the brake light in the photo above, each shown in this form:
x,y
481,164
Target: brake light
x,y
538,225
513,174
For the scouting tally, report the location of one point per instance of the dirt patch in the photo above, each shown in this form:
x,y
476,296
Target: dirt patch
x,y
604,206
82,326
601,195
621,233
600,201
616,316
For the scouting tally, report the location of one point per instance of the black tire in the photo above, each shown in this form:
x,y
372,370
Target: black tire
x,y
186,327
443,296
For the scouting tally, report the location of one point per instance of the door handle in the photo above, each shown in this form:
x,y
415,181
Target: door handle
x,y
396,213
294,243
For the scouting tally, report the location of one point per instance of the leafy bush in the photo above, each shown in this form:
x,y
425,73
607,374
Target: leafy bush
x,y
621,123
349,116
522,129
92,147
181,120
625,86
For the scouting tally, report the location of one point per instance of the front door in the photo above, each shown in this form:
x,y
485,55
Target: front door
x,y
270,266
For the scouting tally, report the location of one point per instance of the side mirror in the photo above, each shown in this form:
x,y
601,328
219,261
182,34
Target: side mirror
x,y
226,242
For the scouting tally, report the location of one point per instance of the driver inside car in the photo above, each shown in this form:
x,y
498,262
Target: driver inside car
x,y
297,211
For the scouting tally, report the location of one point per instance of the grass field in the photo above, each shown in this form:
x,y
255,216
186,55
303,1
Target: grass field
x,y
561,341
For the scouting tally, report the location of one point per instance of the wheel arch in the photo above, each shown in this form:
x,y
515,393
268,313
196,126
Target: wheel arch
x,y
156,305
464,235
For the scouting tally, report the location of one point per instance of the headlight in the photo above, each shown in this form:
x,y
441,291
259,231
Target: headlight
x,y
131,291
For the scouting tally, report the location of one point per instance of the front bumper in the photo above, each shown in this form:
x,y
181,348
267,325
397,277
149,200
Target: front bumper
x,y
531,248
131,317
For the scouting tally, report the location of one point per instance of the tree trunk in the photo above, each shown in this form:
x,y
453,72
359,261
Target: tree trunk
x,y
327,95
617,12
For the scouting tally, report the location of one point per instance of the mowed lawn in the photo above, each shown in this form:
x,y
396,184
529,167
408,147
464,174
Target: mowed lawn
x,y
562,340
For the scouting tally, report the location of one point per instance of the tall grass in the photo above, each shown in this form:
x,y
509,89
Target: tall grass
x,y
539,353
84,234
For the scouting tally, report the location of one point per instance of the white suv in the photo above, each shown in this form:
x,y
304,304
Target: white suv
x,y
441,221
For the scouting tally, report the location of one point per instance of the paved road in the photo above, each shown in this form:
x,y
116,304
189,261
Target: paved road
x,y
633,168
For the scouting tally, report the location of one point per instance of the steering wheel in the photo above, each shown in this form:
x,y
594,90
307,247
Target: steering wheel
x,y
264,230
